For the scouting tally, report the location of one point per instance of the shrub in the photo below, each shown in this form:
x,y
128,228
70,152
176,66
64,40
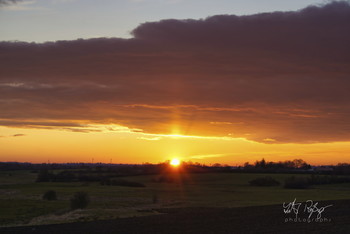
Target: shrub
x,y
50,195
121,182
44,176
316,179
105,181
80,200
164,179
155,199
336,180
296,183
264,181
126,183
64,176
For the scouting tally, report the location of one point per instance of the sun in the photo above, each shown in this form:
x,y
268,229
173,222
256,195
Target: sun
x,y
175,162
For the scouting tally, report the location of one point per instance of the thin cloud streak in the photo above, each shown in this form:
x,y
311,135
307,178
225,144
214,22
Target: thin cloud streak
x,y
19,135
21,5
207,156
15,135
8,2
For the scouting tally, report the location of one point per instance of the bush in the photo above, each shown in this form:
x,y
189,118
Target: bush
x,y
296,183
64,176
264,181
121,182
316,179
50,195
155,199
44,176
80,200
127,183
164,179
106,181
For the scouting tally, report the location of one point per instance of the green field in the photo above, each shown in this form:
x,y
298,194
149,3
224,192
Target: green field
x,y
21,200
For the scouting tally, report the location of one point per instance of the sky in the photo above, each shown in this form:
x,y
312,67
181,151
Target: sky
x,y
52,20
149,80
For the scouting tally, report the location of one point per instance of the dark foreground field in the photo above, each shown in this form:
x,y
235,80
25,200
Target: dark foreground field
x,y
257,219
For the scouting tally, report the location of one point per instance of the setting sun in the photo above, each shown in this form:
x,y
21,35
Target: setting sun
x,y
175,162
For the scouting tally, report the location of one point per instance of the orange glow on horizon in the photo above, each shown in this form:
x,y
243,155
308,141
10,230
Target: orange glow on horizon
x,y
123,145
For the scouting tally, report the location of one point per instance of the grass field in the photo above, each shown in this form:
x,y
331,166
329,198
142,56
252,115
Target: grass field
x,y
21,200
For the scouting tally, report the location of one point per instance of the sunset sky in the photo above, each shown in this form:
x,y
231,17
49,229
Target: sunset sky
x,y
136,81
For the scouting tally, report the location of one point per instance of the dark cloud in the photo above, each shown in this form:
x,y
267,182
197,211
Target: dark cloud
x,y
57,125
277,77
15,135
19,135
8,2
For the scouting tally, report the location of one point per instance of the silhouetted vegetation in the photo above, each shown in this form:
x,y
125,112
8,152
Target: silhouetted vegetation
x,y
44,176
264,181
305,182
121,182
342,169
296,165
155,199
318,179
97,172
50,195
165,178
80,200
296,183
